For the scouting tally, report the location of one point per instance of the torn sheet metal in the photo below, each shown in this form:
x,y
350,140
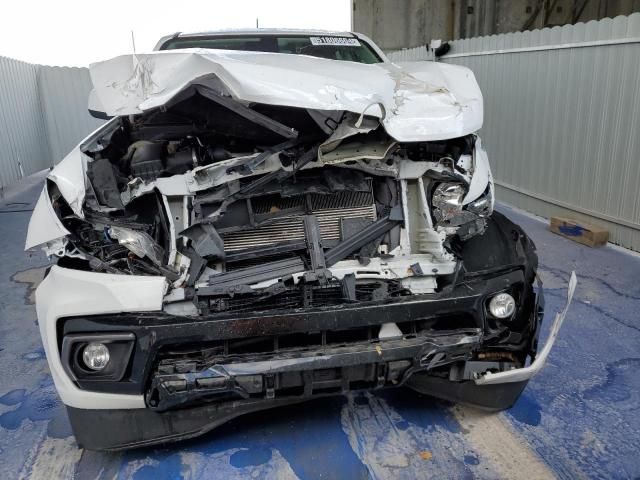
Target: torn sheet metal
x,y
70,177
45,227
481,175
418,101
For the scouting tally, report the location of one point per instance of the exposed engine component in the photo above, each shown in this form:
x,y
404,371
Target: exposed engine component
x,y
149,160
198,201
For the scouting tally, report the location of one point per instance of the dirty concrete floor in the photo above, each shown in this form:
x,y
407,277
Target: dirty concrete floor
x,y
579,418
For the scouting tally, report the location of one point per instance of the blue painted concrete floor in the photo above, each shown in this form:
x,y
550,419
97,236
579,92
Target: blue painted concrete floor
x,y
579,418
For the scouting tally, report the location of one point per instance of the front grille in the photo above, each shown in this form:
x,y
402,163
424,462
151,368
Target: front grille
x,y
199,355
328,209
302,296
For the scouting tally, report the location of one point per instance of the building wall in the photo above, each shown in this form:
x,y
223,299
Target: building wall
x,y
562,117
397,24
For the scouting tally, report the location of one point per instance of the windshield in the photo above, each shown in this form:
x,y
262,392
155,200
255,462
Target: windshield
x,y
349,49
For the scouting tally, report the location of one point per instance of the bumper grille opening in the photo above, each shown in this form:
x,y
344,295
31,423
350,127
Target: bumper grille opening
x,y
250,345
198,354
448,322
294,340
342,337
299,296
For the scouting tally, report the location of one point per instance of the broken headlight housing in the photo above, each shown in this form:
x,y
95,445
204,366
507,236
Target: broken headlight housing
x,y
448,209
140,244
483,205
447,201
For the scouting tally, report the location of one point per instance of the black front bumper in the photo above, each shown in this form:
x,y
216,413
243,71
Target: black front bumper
x,y
187,397
113,430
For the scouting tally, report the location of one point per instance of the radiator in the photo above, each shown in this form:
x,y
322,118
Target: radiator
x,y
328,209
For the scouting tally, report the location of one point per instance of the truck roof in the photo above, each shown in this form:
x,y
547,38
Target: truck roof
x,y
256,31
265,31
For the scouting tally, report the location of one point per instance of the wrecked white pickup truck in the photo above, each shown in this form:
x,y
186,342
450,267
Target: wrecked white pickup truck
x,y
271,217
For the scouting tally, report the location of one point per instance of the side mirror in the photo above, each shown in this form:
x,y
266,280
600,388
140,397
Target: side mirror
x,y
443,49
96,110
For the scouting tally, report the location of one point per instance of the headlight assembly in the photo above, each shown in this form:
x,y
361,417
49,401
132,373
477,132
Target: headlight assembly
x,y
447,201
483,205
140,244
448,210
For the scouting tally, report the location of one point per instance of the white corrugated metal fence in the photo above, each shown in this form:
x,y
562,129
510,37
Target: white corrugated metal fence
x,y
411,54
43,115
562,119
64,92
23,146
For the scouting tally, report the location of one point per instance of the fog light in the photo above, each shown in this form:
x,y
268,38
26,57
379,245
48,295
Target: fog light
x,y
95,356
502,305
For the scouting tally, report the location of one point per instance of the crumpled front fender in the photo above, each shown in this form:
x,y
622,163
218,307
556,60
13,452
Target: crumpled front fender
x,y
45,226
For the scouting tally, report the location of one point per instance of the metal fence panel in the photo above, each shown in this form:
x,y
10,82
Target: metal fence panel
x,y
411,54
64,92
23,146
43,115
562,119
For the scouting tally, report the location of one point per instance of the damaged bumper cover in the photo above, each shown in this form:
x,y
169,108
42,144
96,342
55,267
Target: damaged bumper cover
x,y
524,374
254,362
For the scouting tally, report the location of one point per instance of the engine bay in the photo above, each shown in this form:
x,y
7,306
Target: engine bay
x,y
249,205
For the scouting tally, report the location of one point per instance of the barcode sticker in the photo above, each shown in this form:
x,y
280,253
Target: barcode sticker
x,y
335,41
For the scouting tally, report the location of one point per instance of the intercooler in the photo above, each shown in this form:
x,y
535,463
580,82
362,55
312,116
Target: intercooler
x,y
329,209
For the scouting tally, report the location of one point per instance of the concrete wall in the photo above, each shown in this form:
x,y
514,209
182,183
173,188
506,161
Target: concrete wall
x,y
562,117
43,115
397,24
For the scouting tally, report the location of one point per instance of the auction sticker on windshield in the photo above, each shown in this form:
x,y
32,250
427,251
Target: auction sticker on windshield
x,y
338,41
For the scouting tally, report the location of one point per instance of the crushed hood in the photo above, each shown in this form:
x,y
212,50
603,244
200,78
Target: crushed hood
x,y
415,101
